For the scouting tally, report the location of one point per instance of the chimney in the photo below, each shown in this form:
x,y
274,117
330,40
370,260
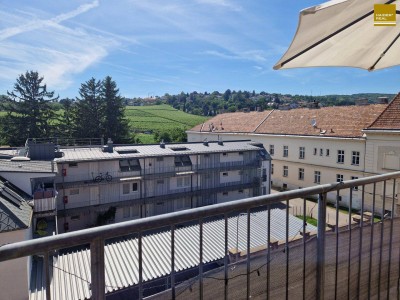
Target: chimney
x,y
205,142
361,101
162,144
110,145
382,100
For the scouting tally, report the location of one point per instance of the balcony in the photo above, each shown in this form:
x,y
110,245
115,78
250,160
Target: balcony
x,y
153,173
344,260
44,201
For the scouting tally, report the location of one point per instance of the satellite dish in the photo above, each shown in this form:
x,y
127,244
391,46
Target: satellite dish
x,y
314,123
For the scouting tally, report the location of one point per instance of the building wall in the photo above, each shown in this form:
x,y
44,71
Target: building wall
x,y
15,274
158,179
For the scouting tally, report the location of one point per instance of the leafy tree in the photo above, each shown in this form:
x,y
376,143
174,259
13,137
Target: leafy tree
x,y
29,110
116,126
89,110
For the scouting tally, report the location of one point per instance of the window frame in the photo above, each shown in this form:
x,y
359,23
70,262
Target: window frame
x,y
355,158
301,173
317,175
285,172
285,151
302,152
340,157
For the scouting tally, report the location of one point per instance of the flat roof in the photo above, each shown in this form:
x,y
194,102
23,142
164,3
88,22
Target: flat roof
x,y
154,150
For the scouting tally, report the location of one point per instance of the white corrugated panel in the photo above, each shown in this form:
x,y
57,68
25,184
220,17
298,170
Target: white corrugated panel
x,y
71,271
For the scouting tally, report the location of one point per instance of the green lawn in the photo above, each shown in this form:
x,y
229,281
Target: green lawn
x,y
309,220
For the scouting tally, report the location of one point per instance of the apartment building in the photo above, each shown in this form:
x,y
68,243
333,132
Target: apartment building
x,y
315,145
86,186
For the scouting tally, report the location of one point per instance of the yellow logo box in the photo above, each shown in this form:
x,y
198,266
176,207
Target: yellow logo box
x,y
384,14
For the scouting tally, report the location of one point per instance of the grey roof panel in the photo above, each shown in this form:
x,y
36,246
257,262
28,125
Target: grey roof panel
x,y
15,212
27,166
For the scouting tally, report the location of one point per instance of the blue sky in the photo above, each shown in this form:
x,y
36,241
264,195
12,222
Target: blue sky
x,y
153,47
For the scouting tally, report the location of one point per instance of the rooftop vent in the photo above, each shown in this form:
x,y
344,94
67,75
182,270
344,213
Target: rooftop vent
x,y
162,144
220,142
109,147
361,101
205,142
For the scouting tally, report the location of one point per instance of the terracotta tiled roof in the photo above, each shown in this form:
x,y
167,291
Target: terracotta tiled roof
x,y
338,121
390,117
233,122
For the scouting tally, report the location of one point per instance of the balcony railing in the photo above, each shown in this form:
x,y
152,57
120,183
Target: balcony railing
x,y
44,204
155,172
358,259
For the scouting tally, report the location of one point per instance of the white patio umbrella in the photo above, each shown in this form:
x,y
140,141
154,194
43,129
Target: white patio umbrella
x,y
342,33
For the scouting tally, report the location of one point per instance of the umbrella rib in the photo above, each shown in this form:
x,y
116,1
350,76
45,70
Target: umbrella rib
x,y
331,35
384,52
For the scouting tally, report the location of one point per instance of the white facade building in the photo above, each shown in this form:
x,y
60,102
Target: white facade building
x,y
310,146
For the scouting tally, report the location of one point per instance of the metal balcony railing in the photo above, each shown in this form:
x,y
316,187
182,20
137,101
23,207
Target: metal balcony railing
x,y
359,258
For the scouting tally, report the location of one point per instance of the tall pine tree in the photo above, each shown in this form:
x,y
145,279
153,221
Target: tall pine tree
x,y
89,111
29,113
116,126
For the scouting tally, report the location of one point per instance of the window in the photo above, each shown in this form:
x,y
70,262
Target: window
x,y
183,181
160,158
285,151
302,152
264,190
179,149
126,212
160,181
182,161
315,151
340,156
355,188
132,164
271,150
125,188
327,152
321,152
225,193
317,177
73,165
240,192
301,174
134,187
224,154
131,212
225,174
355,158
264,175
74,192
272,168
285,171
339,177
240,153
182,204
75,218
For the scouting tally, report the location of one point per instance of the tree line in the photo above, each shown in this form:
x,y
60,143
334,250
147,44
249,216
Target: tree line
x,y
29,112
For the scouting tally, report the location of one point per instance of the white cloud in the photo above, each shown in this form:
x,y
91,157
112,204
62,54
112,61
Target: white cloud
x,y
252,55
221,3
56,51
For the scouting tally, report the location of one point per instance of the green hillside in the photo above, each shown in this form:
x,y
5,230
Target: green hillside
x,y
159,118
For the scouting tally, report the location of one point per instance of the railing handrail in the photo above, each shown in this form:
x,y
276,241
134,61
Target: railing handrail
x,y
86,236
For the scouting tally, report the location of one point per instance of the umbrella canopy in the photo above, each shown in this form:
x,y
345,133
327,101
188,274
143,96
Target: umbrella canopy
x,y
342,33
